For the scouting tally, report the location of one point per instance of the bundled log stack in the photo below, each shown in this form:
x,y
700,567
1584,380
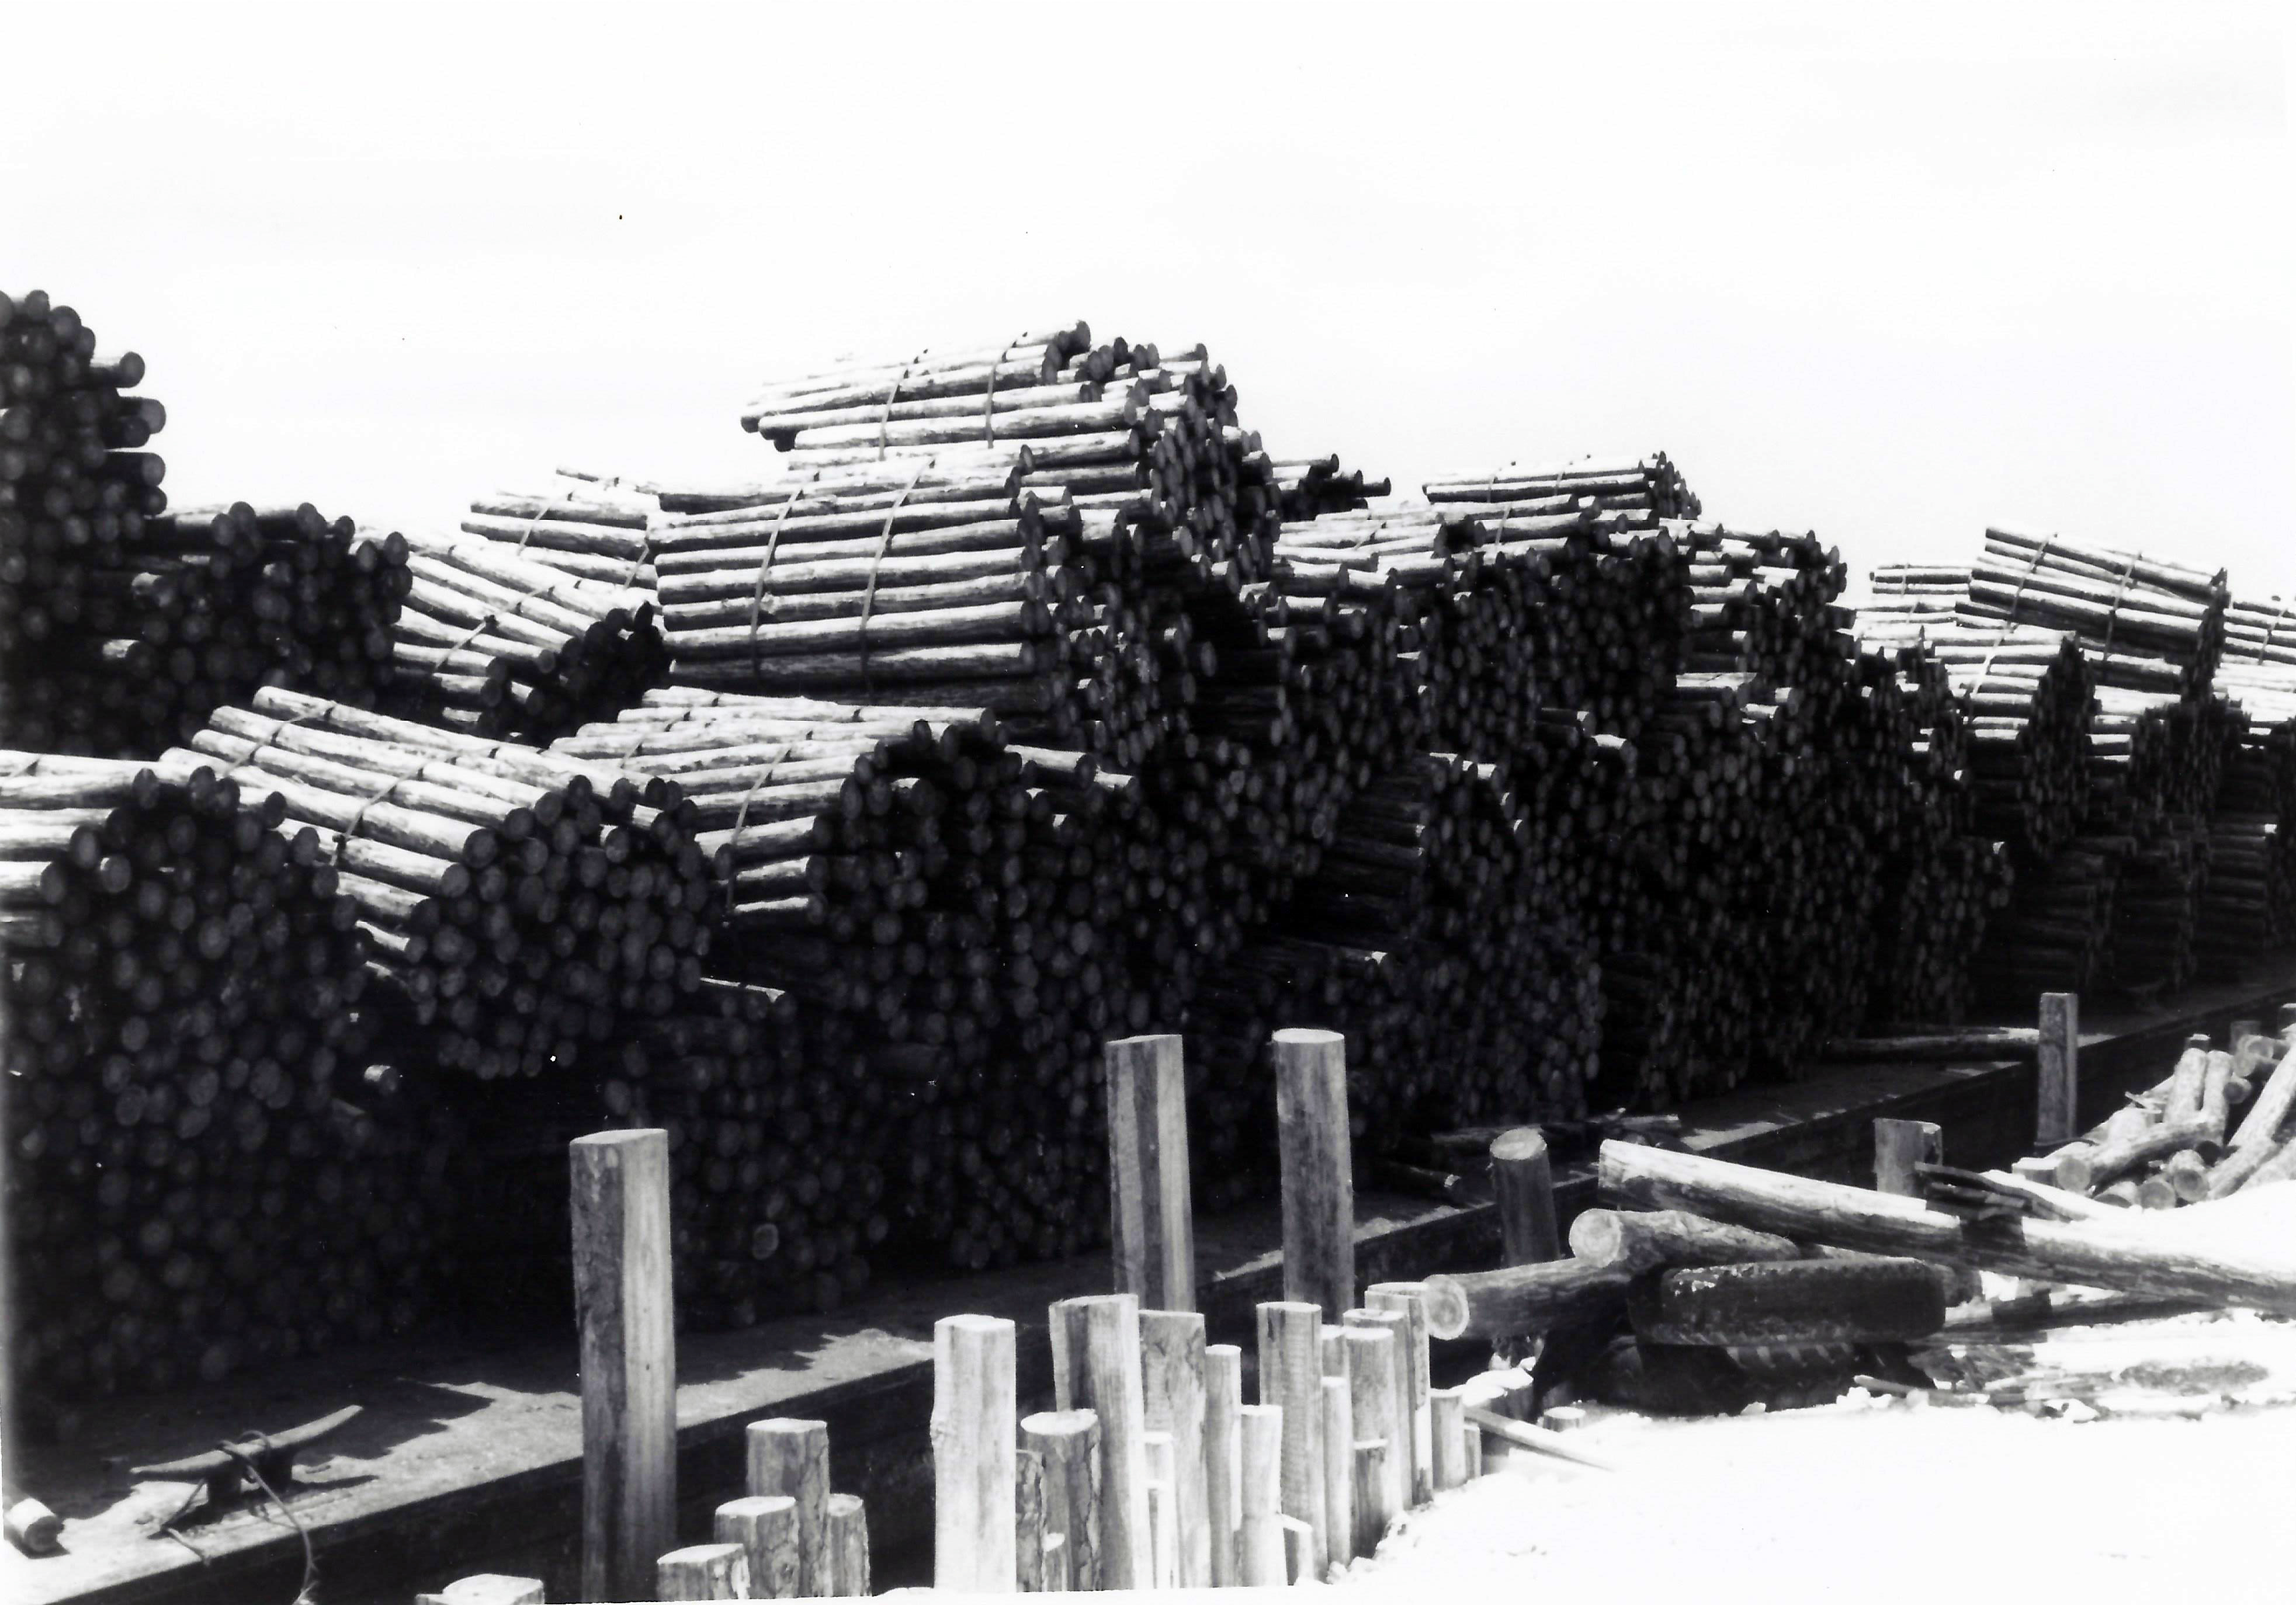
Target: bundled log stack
x,y
968,903
2111,599
502,635
1762,604
205,1171
518,902
2156,907
2053,936
1426,891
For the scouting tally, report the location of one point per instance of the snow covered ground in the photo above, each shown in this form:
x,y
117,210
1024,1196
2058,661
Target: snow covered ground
x,y
2181,1480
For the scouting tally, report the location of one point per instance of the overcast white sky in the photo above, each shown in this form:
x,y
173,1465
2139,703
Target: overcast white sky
x,y
1886,274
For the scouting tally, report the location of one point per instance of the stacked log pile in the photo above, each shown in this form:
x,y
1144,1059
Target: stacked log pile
x,y
537,616
1646,489
519,903
2109,599
205,1171
2216,1124
122,624
1312,486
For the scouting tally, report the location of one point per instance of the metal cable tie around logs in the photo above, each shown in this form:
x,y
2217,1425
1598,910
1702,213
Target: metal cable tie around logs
x,y
485,622
773,544
885,414
989,396
2031,568
884,545
358,815
740,819
2112,608
534,524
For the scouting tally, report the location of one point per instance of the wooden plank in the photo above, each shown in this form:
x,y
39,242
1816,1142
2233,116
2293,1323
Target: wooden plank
x,y
1152,1237
622,1308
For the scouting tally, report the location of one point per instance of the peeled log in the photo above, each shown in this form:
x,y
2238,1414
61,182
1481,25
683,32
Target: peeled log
x,y
1637,1240
2132,1257
1520,1299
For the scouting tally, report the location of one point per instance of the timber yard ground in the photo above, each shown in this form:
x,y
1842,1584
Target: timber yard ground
x,y
2165,1496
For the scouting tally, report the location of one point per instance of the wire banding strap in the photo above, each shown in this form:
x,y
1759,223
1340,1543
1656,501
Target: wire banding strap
x,y
773,544
358,817
989,396
741,822
892,393
884,545
2032,568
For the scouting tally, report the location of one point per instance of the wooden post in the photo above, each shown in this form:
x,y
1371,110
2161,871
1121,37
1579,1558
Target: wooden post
x,y
975,1389
1172,1365
2058,1119
1372,1383
1096,1367
1164,1514
628,1358
1056,1564
1410,1299
1398,1327
487,1588
1152,1233
1371,1485
1068,1441
766,1527
704,1571
1222,1400
1259,1537
1028,1521
849,1546
1474,1436
1450,1432
790,1457
1319,1200
1522,1179
1899,1145
1299,1551
1290,1376
1339,1465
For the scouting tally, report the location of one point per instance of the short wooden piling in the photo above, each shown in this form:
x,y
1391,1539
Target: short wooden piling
x,y
1339,1465
766,1527
789,1457
1290,1373
1163,1511
1259,1538
1372,1384
2057,1119
975,1390
487,1588
1409,1298
628,1358
1398,1327
1450,1427
1319,1205
1371,1483
1152,1233
1068,1443
1223,1427
1172,1376
1298,1551
703,1571
849,1546
1899,1146
1028,1521
1522,1182
1096,1367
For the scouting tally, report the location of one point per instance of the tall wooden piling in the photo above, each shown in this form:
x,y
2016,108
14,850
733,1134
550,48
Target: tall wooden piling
x,y
1151,1234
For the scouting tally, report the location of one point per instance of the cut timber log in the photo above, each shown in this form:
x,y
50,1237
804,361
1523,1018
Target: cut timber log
x,y
2098,1254
1636,1241
1520,1301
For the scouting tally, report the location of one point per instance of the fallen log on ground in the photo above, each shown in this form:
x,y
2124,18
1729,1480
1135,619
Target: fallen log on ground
x,y
2132,1258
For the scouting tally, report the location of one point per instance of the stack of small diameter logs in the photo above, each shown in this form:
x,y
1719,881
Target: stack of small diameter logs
x,y
973,904
518,902
2114,601
1311,486
2216,1124
2028,696
499,638
1424,896
204,1172
785,1121
1667,1311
